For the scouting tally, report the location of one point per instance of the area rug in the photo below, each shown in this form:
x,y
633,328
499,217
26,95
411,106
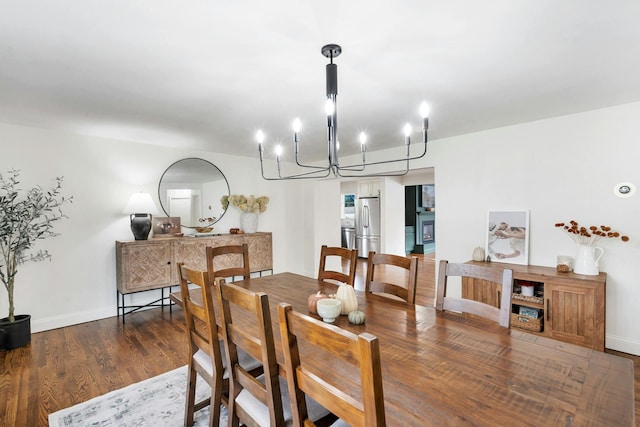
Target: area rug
x,y
158,401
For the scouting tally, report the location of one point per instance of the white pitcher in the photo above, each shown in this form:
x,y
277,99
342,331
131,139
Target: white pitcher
x,y
587,260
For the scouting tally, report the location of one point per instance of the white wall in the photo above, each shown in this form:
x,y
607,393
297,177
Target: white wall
x,y
79,284
560,169
392,240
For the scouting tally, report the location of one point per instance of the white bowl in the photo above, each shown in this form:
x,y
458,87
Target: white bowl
x,y
329,309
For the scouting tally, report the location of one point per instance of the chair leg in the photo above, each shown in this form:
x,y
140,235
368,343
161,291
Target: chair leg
x,y
234,421
191,397
214,407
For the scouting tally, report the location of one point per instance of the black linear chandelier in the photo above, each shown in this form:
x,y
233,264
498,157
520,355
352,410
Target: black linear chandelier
x,y
355,170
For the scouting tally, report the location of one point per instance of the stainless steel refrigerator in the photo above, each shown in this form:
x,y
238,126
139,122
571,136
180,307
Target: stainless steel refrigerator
x,y
367,225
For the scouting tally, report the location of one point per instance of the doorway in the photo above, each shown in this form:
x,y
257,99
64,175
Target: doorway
x,y
420,217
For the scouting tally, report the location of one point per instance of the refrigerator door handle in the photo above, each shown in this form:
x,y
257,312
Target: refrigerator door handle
x,y
365,216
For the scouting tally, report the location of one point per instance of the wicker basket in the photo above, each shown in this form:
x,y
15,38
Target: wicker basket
x,y
526,322
520,297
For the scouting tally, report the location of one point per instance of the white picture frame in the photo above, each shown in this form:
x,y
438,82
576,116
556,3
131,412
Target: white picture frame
x,y
508,236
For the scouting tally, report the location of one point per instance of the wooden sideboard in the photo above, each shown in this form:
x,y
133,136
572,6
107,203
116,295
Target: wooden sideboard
x,y
143,265
571,307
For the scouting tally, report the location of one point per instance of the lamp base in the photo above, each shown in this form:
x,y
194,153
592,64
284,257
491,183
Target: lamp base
x,y
140,225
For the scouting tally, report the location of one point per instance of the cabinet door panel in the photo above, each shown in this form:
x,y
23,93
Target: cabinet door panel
x,y
147,266
570,313
482,290
193,252
260,252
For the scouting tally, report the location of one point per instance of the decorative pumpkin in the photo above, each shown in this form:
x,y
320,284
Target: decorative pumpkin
x,y
312,301
347,295
356,317
478,254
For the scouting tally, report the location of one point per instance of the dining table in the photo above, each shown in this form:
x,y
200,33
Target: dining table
x,y
445,369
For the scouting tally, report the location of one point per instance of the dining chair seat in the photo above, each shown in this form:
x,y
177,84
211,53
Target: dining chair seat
x,y
246,361
260,412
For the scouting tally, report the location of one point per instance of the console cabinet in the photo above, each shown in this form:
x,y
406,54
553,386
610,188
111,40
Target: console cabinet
x,y
570,307
144,265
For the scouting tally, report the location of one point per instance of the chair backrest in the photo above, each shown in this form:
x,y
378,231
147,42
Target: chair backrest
x,y
256,339
228,262
200,318
502,276
392,265
341,346
350,255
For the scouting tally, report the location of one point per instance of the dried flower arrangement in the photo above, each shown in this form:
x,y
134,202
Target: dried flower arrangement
x,y
245,204
589,236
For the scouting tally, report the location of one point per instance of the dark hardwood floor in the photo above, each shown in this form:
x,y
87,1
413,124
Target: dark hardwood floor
x,y
66,366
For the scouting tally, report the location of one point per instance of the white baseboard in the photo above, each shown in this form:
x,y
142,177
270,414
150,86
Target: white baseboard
x,y
623,344
55,322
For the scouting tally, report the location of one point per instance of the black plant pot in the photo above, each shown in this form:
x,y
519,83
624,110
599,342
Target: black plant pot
x,y
15,334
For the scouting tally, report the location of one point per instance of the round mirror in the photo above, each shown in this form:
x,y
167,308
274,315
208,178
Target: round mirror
x,y
191,189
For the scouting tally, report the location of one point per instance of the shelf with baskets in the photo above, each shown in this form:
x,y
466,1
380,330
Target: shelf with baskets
x,y
569,307
527,305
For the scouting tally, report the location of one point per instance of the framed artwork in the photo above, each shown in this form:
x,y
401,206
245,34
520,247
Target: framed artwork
x,y
164,226
508,236
429,196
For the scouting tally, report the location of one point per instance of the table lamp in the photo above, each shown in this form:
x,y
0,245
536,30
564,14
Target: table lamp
x,y
140,209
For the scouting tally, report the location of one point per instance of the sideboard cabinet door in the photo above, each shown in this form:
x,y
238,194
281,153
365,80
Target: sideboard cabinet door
x,y
571,314
260,251
144,265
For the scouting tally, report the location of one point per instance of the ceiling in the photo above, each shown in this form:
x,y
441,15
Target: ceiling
x,y
207,74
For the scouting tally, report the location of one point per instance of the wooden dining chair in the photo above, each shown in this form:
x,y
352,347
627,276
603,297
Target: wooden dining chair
x,y
251,401
360,352
348,255
261,401
229,261
499,276
399,279
204,347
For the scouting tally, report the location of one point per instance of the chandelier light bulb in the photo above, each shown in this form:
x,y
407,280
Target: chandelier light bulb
x,y
297,125
329,107
363,138
407,130
278,150
260,137
424,110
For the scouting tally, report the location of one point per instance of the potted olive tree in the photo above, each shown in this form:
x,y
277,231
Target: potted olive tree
x,y
25,218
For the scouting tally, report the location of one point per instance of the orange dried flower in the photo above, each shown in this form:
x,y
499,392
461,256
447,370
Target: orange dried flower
x,y
589,236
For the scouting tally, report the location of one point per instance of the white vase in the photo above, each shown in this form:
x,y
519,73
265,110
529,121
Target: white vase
x,y
587,260
249,222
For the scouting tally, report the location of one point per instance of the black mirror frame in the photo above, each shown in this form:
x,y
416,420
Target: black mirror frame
x,y
161,198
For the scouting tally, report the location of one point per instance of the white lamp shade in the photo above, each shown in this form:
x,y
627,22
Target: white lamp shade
x,y
140,203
